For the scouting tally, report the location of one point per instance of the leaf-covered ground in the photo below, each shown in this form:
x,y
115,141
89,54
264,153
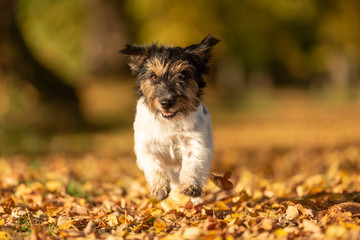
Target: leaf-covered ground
x,y
295,171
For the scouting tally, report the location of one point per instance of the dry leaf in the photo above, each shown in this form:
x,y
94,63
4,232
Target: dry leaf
x,y
310,226
192,233
352,207
90,227
222,181
112,220
266,224
159,226
291,213
18,212
5,235
64,223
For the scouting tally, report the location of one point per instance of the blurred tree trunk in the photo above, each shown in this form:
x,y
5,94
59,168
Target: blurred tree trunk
x,y
59,98
106,33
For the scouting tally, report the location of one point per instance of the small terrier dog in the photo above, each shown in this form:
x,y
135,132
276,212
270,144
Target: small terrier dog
x,y
173,137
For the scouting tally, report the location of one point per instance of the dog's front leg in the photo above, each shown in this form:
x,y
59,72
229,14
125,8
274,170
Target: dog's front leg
x,y
195,168
158,178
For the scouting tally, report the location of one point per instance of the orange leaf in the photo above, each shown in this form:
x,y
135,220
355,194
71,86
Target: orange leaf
x,y
222,181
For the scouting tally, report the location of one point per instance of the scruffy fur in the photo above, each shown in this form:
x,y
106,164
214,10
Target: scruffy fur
x,y
173,138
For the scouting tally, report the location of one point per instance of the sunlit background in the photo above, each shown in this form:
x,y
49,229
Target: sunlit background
x,y
286,73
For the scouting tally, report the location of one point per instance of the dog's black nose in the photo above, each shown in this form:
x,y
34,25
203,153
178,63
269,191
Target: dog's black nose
x,y
166,103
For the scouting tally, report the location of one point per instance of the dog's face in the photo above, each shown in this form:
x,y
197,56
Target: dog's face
x,y
170,78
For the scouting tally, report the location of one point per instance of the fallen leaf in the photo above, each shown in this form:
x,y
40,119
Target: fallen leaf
x,y
192,233
53,185
352,207
18,212
335,231
211,223
291,213
310,226
64,223
112,220
159,226
266,224
227,175
222,181
90,227
5,235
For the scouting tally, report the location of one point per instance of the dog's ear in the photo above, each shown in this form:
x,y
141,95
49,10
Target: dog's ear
x,y
202,50
137,55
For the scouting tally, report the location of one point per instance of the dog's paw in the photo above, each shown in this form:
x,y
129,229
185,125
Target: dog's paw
x,y
160,192
191,190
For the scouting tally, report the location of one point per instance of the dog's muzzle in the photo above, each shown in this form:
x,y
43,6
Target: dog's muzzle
x,y
166,105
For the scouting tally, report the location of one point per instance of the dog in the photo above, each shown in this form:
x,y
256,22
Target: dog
x,y
173,136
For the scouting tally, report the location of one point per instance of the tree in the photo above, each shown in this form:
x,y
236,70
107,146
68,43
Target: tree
x,y
59,98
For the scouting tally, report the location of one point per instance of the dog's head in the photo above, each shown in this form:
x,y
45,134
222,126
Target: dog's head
x,y
170,78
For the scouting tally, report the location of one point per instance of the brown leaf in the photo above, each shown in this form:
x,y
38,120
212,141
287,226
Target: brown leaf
x,y
38,233
211,223
227,175
222,181
90,227
352,207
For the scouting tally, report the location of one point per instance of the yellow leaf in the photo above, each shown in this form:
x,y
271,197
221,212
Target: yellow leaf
x,y
53,185
64,223
174,200
53,211
156,213
160,226
221,205
2,222
280,232
335,231
51,220
112,220
4,235
122,219
21,190
237,215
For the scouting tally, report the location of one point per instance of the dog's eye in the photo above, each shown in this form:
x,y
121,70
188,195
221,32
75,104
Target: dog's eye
x,y
154,77
182,76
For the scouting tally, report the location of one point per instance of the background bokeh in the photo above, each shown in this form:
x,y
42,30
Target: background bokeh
x,y
285,73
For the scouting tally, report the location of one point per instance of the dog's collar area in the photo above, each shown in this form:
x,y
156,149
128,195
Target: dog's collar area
x,y
168,115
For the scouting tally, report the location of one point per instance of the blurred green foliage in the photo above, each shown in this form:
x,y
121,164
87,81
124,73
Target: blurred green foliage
x,y
53,30
309,43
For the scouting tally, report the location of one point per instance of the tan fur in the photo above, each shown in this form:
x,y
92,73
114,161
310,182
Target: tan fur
x,y
157,66
179,66
148,89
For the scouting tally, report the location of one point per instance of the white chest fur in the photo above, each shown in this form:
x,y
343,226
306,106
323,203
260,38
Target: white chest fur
x,y
172,146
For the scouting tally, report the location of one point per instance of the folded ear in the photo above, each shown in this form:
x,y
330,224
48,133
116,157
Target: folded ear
x,y
202,50
137,54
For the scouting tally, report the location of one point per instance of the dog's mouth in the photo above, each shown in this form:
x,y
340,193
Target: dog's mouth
x,y
168,115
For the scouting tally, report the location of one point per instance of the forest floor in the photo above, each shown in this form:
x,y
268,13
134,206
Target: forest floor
x,y
295,169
